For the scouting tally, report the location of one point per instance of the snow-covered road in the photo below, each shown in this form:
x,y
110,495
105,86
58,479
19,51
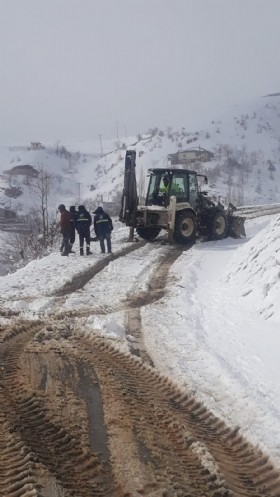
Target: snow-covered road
x,y
205,330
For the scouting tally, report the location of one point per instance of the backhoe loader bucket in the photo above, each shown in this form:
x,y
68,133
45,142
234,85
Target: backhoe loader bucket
x,y
236,227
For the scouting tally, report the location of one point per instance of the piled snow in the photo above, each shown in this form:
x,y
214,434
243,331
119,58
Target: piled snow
x,y
254,274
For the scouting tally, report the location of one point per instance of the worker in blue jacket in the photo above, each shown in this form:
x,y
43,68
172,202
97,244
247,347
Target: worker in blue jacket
x,y
103,226
83,223
73,222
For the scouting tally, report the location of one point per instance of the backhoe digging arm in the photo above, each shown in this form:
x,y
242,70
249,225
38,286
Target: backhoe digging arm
x,y
130,199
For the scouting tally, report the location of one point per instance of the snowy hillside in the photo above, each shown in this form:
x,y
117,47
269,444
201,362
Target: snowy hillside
x,y
61,164
245,168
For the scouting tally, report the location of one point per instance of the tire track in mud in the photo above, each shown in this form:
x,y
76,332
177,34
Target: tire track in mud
x,y
83,418
17,475
83,278
194,448
7,313
59,450
88,419
16,467
156,289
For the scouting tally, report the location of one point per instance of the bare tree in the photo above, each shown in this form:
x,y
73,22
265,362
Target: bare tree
x,y
23,246
40,191
41,230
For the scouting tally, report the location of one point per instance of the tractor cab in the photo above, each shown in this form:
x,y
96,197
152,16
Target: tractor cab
x,y
165,183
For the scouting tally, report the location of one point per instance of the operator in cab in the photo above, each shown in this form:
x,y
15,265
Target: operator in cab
x,y
163,190
165,184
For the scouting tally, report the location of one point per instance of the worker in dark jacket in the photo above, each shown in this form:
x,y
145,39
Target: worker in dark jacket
x,y
83,223
73,218
103,227
65,228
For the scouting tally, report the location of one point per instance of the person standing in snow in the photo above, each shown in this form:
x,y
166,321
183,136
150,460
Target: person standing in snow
x,y
73,218
103,227
83,223
65,228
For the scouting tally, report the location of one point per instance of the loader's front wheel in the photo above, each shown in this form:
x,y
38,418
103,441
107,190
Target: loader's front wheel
x,y
148,233
185,227
219,226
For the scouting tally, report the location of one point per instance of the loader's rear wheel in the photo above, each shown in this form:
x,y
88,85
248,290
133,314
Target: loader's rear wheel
x,y
219,226
185,227
148,233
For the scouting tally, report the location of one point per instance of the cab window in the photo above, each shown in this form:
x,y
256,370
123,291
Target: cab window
x,y
192,183
179,187
193,190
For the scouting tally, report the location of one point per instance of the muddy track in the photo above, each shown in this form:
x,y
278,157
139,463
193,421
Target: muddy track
x,y
155,291
81,418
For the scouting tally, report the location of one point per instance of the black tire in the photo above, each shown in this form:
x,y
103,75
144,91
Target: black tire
x,y
185,227
148,233
218,226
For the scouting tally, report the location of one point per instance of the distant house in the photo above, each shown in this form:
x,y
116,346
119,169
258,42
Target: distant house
x,y
7,213
24,170
190,155
36,145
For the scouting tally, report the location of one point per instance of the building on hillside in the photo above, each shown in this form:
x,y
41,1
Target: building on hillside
x,y
22,170
6,213
194,154
36,146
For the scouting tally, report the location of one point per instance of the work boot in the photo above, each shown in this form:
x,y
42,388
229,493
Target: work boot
x,y
88,251
81,251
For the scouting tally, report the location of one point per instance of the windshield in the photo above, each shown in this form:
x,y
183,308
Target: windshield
x,y
164,184
152,188
179,184
158,189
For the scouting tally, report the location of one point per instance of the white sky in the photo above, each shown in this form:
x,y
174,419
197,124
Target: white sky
x,y
71,69
215,332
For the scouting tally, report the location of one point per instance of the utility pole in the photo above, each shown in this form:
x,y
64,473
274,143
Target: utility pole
x,y
79,192
125,130
101,146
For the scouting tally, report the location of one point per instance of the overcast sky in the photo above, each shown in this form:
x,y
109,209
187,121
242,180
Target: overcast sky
x,y
71,69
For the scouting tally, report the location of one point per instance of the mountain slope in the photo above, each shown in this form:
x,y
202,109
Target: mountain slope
x,y
245,168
